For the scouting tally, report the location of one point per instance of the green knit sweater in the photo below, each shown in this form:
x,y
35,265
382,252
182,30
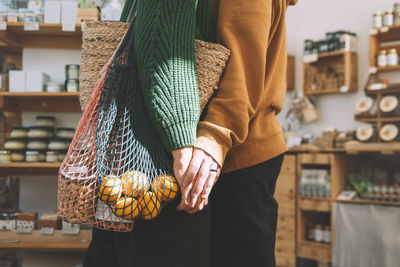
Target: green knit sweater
x,y
164,51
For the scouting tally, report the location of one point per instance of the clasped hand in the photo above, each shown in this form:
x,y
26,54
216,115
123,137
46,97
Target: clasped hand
x,y
196,173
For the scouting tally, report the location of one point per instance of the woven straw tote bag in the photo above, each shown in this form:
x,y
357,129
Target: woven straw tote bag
x,y
101,39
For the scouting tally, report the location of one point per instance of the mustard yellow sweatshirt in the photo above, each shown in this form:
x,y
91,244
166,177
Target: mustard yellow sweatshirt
x,y
240,128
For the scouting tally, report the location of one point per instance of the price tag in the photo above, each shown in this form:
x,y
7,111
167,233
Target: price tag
x,y
3,26
344,89
31,26
373,32
68,27
310,58
373,70
384,29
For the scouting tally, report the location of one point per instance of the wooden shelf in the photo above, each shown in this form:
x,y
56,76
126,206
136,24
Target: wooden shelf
x,y
355,147
333,54
318,251
375,119
10,240
388,68
48,36
392,34
27,168
368,202
383,91
315,204
325,91
39,101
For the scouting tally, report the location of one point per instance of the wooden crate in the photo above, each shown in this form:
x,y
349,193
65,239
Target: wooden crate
x,y
285,194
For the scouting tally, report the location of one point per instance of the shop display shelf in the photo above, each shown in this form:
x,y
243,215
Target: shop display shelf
x,y
354,147
39,101
315,204
320,252
388,68
387,34
375,119
315,159
368,201
47,36
384,91
10,240
28,168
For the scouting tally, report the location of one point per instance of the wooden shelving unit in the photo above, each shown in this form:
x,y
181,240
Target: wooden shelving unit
x,y
315,204
10,240
39,101
47,36
383,92
318,251
368,202
348,62
376,119
26,168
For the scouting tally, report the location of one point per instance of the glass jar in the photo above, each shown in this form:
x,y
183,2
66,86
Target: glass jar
x,y
3,16
22,12
72,72
51,156
54,87
327,234
45,121
366,106
389,105
17,156
19,132
37,145
397,13
377,19
42,156
32,156
72,85
58,144
15,144
310,231
319,234
67,133
308,46
382,58
365,133
5,156
388,18
392,57
12,16
40,132
30,17
323,47
389,133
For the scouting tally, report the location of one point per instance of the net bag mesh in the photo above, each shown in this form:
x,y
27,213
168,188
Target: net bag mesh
x,y
116,169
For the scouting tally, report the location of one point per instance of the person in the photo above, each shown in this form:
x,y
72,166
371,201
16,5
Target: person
x,y
226,164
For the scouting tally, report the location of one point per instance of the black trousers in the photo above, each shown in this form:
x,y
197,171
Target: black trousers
x,y
237,229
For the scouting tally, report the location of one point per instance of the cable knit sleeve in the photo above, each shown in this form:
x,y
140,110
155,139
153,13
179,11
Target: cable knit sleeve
x,y
164,52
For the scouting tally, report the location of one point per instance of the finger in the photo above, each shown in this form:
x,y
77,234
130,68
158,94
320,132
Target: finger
x,y
201,179
218,174
198,207
184,198
209,185
192,170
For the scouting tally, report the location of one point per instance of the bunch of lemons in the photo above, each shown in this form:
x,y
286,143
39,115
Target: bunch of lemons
x,y
132,195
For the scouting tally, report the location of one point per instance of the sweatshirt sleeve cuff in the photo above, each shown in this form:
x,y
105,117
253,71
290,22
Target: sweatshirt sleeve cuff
x,y
212,143
179,135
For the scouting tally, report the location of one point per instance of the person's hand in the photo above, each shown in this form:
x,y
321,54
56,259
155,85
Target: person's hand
x,y
199,178
182,158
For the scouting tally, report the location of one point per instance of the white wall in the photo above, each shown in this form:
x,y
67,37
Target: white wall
x,y
311,19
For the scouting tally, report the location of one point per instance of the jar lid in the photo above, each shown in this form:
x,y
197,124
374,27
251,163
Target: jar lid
x,y
4,152
388,12
389,132
52,153
365,104
393,51
46,118
378,13
65,129
382,52
43,128
32,153
20,128
364,133
73,66
388,103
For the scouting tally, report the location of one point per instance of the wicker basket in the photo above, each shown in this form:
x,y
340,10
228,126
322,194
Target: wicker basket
x,y
101,39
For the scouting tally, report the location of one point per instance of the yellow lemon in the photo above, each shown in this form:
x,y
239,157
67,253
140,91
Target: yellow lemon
x,y
127,208
134,184
165,187
110,189
150,206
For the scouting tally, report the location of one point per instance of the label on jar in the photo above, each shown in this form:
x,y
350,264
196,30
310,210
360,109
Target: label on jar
x,y
3,25
47,231
25,226
310,58
31,26
382,60
392,59
72,88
